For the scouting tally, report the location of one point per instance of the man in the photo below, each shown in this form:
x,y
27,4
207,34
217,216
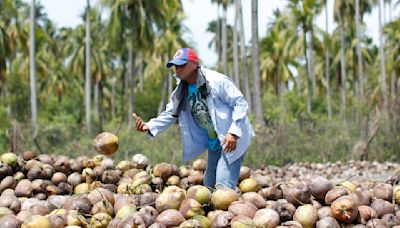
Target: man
x,y
212,115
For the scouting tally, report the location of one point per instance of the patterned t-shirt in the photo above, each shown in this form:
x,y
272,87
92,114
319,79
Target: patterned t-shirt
x,y
199,109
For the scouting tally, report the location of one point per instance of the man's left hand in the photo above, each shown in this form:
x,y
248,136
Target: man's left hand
x,y
229,143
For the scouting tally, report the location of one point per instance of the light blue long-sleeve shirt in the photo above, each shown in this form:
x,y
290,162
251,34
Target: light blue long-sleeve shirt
x,y
228,110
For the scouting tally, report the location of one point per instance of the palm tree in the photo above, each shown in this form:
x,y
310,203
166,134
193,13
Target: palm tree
x,y
258,107
5,49
215,43
359,57
304,12
50,62
87,67
393,73
327,65
32,70
224,36
278,52
382,57
235,45
170,39
392,35
133,23
340,7
20,64
243,59
8,16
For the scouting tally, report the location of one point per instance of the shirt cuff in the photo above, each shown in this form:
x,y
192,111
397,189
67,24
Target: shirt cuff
x,y
152,132
149,134
234,129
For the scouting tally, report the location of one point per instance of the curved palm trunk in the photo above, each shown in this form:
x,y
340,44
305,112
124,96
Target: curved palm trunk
x,y
87,73
224,40
243,59
327,64
382,55
258,106
235,46
32,75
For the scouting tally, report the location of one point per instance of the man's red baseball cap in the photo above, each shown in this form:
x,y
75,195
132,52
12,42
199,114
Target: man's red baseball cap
x,y
181,56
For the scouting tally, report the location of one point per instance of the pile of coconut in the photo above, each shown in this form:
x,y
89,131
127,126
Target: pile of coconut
x,y
43,191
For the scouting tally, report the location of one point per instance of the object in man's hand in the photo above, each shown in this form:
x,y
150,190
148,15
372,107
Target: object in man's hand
x,y
106,143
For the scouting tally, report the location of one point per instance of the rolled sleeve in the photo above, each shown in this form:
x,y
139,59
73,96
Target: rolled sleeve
x,y
235,130
231,95
162,122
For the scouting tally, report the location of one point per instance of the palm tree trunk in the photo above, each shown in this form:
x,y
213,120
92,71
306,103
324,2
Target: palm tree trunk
x,y
235,46
87,73
393,83
123,94
32,75
382,55
311,62
276,83
9,103
161,105
96,98
258,106
141,75
327,65
393,72
307,68
243,59
113,81
342,68
224,40
100,105
219,36
299,87
355,80
359,56
126,95
131,84
170,84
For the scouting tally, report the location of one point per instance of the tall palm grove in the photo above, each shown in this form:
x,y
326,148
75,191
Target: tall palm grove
x,y
315,93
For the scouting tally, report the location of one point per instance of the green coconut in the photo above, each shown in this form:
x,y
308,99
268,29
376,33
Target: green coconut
x,y
200,193
10,159
223,197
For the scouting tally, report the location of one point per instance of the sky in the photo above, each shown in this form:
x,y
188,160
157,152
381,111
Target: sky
x,y
66,13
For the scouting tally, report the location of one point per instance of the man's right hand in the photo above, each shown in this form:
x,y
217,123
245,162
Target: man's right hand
x,y
140,125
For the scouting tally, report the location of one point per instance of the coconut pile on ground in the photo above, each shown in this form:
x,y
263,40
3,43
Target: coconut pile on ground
x,y
42,191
